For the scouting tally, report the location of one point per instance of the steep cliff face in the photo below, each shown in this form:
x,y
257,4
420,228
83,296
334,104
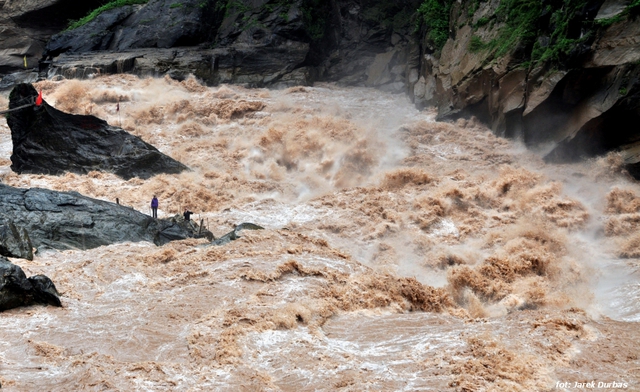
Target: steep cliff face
x,y
27,25
563,76
252,42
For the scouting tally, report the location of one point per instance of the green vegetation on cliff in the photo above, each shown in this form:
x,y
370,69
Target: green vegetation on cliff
x,y
74,24
569,32
539,31
632,10
434,16
314,14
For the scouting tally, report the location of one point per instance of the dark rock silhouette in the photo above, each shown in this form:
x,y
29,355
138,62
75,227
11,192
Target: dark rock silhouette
x,y
18,290
68,220
14,241
48,141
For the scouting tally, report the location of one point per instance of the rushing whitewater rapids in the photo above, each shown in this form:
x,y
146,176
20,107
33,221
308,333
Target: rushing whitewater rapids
x,y
398,254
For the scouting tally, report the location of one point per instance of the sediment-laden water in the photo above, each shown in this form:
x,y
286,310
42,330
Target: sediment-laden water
x,y
399,254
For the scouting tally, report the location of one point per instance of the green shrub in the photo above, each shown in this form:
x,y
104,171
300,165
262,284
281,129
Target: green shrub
x,y
561,43
93,14
476,44
313,18
520,27
175,5
481,22
434,15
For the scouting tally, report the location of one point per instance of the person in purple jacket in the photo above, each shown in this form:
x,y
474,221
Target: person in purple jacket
x,y
154,206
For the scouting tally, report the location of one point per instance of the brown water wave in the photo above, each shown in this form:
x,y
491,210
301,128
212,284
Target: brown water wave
x,y
398,253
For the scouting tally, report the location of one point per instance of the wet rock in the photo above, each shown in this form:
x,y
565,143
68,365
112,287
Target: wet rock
x,y
156,24
48,141
233,235
17,290
9,81
174,228
96,35
14,241
68,220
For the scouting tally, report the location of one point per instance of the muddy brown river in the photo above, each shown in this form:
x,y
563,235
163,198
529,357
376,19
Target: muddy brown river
x,y
399,254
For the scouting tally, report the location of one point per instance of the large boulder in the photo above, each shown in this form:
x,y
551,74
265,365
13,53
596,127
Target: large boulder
x,y
68,220
18,290
48,141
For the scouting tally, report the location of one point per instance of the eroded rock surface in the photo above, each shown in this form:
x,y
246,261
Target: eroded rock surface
x,y
48,141
27,25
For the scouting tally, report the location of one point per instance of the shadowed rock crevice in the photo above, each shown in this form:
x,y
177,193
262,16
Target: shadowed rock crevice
x,y
48,141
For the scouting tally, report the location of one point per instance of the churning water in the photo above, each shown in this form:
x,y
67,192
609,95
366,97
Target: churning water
x,y
399,253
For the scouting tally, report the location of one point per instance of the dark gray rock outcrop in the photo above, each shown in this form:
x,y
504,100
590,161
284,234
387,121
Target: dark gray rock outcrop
x,y
156,24
68,220
14,241
234,234
254,43
17,290
48,141
248,66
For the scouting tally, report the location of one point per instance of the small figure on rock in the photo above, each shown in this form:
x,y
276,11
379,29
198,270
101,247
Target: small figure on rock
x,y
187,215
154,206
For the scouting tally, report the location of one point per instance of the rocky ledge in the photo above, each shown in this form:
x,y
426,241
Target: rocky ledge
x,y
68,220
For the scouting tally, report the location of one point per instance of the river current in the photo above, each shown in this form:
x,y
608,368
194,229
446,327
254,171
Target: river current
x,y
399,253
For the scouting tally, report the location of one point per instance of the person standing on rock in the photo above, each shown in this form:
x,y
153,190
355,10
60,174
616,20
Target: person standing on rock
x,y
154,206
